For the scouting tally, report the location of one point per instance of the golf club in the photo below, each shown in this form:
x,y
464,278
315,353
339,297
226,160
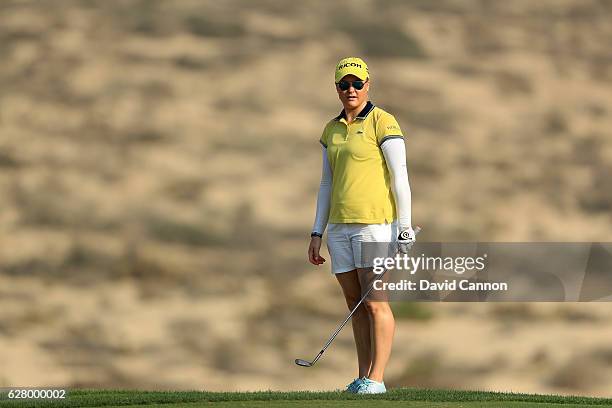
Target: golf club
x,y
305,363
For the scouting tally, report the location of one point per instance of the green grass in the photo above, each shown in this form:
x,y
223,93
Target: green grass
x,y
384,404
404,397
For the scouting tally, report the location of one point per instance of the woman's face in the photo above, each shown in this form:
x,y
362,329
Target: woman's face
x,y
353,98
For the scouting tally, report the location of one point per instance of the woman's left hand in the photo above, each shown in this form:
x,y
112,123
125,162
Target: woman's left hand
x,y
405,240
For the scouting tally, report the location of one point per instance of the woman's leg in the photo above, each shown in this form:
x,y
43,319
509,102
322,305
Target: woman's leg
x,y
382,328
349,281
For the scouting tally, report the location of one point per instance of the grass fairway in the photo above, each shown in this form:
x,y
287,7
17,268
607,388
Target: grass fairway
x,y
404,397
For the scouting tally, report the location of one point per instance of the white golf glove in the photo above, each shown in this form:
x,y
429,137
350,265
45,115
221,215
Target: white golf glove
x,y
405,240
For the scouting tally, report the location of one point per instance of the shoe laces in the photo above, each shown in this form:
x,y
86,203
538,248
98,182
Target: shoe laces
x,y
367,384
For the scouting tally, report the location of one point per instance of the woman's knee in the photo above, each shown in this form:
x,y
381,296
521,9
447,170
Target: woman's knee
x,y
377,308
361,312
352,301
349,282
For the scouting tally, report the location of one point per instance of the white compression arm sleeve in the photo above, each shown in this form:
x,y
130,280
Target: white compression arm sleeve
x,y
394,151
324,196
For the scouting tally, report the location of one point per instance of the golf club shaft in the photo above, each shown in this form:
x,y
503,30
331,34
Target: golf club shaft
x,y
333,336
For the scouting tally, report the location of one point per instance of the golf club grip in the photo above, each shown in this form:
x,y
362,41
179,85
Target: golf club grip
x,y
417,229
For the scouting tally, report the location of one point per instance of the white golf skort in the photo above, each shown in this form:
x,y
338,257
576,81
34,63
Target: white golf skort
x,y
345,244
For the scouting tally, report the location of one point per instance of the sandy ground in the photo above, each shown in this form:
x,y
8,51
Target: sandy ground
x,y
109,336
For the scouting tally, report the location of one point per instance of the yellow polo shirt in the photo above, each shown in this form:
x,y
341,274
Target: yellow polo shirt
x,y
361,186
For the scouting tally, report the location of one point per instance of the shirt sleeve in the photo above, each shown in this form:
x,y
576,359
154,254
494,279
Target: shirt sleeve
x,y
323,139
387,128
394,151
324,196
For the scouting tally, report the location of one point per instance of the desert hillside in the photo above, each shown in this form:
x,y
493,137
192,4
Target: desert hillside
x,y
159,163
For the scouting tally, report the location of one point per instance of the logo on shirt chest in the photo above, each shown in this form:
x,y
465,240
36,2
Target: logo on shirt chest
x,y
358,131
357,135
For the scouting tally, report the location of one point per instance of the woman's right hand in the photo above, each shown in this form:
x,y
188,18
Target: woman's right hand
x,y
313,251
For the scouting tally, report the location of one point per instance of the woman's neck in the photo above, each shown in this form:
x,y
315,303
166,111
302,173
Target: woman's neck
x,y
352,113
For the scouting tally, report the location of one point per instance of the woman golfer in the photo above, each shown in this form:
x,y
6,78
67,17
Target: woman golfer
x,y
364,196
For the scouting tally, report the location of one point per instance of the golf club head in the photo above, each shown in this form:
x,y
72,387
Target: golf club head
x,y
303,363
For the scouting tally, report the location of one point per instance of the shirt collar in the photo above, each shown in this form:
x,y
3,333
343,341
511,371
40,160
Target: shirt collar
x,y
362,115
